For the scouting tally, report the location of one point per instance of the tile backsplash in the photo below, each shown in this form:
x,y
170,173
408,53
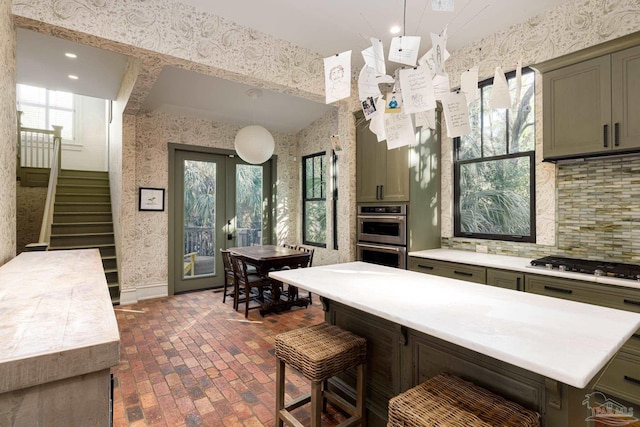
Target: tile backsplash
x,y
598,214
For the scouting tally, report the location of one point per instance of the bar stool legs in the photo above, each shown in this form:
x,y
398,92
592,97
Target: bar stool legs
x,y
320,352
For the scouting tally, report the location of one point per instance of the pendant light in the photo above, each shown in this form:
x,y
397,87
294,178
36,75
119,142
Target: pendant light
x,y
254,144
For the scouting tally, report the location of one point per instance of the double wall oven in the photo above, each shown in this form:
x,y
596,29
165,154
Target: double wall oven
x,y
382,235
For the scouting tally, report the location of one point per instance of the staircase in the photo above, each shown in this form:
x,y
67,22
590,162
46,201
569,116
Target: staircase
x,y
82,220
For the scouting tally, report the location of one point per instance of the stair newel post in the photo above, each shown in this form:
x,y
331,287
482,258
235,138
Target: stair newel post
x,y
57,137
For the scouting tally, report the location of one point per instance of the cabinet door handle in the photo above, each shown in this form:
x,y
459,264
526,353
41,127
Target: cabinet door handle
x,y
560,290
606,136
382,192
517,283
632,380
462,273
426,267
631,302
616,134
377,192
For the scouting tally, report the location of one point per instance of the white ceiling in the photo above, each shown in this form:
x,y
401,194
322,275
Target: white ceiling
x,y
326,27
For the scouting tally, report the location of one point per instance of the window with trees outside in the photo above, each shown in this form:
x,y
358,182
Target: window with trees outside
x,y
42,108
494,168
314,206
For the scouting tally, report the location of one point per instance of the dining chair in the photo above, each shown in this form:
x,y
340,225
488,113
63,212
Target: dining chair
x,y
229,279
310,251
248,282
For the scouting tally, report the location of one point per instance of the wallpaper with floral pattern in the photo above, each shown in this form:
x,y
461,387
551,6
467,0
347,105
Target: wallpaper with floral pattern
x,y
8,131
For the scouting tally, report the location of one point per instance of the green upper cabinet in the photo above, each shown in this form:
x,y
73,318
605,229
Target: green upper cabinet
x,y
381,174
591,107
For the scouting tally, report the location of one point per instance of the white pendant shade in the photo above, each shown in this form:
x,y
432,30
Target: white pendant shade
x,y
254,144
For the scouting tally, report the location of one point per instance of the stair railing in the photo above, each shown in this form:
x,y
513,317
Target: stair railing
x,y
47,218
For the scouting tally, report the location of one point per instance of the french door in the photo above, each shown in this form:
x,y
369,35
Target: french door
x,y
218,202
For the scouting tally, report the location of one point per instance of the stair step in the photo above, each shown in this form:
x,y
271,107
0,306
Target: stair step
x,y
82,207
82,239
109,263
81,227
77,217
82,189
82,180
74,172
108,249
82,197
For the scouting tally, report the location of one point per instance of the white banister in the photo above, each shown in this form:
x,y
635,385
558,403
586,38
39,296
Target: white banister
x,y
47,218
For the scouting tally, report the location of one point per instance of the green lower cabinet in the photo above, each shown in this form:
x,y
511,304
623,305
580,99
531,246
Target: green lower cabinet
x,y
505,279
622,378
453,270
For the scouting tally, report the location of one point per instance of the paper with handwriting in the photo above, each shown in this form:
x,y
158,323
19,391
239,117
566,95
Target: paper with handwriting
x,y
417,90
399,129
404,50
456,114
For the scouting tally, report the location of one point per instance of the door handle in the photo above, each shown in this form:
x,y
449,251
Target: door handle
x,y
381,192
616,134
377,192
606,136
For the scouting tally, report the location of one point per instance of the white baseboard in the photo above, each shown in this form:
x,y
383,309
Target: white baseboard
x,y
143,292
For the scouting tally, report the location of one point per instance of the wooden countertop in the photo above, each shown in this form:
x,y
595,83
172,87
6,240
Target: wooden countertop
x,y
563,340
57,318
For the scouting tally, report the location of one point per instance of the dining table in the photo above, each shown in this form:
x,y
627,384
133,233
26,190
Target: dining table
x,y
267,258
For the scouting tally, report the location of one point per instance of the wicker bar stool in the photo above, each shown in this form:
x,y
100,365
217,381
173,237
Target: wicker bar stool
x,y
448,400
320,352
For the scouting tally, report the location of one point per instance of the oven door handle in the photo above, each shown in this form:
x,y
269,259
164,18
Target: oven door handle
x,y
379,247
383,217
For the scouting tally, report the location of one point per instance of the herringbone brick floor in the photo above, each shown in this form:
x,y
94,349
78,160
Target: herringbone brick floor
x,y
189,360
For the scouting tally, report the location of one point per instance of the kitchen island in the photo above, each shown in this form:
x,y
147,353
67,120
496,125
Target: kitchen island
x,y
541,352
59,340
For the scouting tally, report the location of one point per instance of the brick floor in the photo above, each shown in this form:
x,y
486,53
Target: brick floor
x,y
189,360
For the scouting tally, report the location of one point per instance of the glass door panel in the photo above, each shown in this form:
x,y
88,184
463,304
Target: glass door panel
x,y
249,204
200,185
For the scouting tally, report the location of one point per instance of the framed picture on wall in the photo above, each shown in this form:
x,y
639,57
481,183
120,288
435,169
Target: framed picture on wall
x,y
151,199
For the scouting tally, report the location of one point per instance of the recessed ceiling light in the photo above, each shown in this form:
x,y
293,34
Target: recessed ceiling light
x,y
73,77
395,29
71,55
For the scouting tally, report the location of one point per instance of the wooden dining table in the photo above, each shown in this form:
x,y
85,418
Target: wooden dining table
x,y
266,258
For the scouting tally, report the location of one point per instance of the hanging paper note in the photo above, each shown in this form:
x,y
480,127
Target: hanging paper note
x,y
368,84
439,51
516,101
426,119
399,129
442,5
456,114
500,96
441,86
374,56
404,50
337,77
417,90
469,84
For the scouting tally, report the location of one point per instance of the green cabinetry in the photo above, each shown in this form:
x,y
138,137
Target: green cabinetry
x,y
381,174
591,107
505,279
622,377
469,273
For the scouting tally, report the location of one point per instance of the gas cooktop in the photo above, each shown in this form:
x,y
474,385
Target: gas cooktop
x,y
599,268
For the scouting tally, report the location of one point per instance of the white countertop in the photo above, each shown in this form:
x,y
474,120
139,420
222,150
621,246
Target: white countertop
x,y
56,318
513,263
567,341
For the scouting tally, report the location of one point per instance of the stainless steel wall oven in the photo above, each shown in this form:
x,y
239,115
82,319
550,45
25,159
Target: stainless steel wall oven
x,y
382,235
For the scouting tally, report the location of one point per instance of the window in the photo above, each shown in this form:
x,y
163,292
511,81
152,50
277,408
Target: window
x,y
42,108
314,208
494,168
